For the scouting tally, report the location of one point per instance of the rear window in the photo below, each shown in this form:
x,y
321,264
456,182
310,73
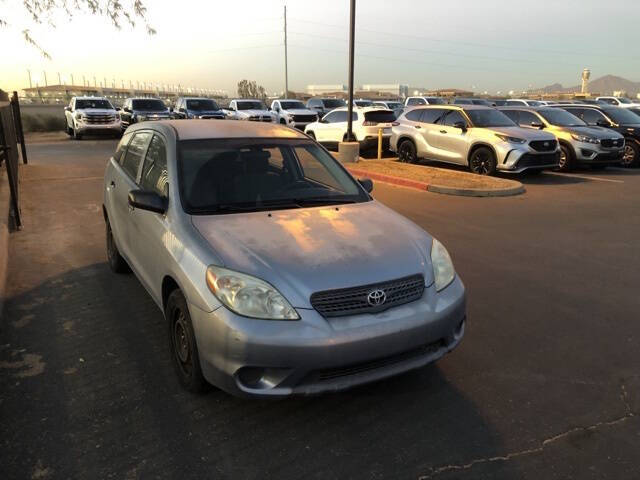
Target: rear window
x,y
334,103
380,116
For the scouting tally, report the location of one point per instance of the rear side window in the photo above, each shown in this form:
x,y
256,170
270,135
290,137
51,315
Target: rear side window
x,y
432,115
154,172
122,147
414,115
135,152
379,116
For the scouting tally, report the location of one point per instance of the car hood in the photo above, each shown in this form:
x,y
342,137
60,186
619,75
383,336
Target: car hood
x,y
300,111
525,133
596,132
254,112
302,251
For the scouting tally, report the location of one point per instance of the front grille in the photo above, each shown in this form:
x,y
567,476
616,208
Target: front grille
x,y
304,118
339,372
612,142
260,118
544,145
215,117
99,119
531,160
354,300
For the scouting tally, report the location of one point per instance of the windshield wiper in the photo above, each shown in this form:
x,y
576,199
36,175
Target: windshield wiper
x,y
323,201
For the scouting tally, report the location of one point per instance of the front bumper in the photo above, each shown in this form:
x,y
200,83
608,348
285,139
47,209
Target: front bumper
x,y
518,159
82,127
264,358
590,154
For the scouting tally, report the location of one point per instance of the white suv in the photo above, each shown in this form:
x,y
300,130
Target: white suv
x,y
366,122
293,113
91,115
417,101
618,102
249,109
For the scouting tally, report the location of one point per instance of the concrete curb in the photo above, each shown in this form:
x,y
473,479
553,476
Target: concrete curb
x,y
514,188
4,234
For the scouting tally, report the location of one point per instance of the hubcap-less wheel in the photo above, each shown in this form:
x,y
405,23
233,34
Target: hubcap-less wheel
x,y
407,152
629,157
181,344
482,162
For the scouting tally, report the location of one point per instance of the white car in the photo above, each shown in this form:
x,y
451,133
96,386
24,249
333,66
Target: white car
x,y
366,122
249,109
293,113
91,115
618,102
523,102
417,101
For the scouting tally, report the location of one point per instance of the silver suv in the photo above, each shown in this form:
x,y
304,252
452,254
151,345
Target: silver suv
x,y
479,137
579,143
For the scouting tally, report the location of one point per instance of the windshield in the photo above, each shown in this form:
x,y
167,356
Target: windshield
x,y
363,103
251,105
394,105
239,175
624,100
621,116
436,101
201,105
289,104
479,101
561,118
149,105
334,103
489,118
93,104
534,103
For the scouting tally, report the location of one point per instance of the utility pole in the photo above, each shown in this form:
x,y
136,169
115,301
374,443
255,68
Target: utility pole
x,y
286,72
352,34
29,74
59,79
72,79
45,78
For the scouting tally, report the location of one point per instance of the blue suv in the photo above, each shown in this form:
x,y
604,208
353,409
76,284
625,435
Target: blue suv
x,y
196,107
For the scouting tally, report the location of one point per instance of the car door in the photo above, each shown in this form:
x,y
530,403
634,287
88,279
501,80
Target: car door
x,y
121,182
147,229
430,126
326,129
452,141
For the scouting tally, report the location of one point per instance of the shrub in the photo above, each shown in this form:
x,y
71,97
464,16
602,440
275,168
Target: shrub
x,y
43,123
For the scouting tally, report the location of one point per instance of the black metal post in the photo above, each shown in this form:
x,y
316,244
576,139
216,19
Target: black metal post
x,y
352,33
17,118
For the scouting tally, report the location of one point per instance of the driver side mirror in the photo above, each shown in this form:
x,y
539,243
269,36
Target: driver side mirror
x,y
146,200
539,125
366,183
231,109
603,123
461,125
67,109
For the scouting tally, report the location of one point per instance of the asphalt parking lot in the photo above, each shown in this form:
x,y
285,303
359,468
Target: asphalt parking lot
x,y
545,385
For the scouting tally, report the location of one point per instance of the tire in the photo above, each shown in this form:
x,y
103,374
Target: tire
x,y
116,262
631,154
182,342
282,122
407,152
69,130
76,135
566,159
483,161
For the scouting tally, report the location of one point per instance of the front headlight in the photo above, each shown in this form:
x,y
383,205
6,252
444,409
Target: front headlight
x,y
248,296
443,271
584,138
507,138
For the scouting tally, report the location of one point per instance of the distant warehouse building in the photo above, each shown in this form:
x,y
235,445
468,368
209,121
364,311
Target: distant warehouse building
x,y
390,90
315,90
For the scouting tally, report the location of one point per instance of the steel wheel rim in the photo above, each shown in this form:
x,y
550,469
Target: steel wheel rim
x,y
629,155
480,163
406,153
181,344
110,243
563,158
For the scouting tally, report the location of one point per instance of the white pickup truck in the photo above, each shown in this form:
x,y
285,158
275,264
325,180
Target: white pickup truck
x,y
91,115
248,109
293,113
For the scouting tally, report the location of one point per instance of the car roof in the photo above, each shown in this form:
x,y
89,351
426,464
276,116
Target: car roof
x,y
524,107
144,98
212,129
247,100
196,98
370,108
91,98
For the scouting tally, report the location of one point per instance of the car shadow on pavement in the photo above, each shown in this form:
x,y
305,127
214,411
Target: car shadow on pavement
x,y
87,390
544,178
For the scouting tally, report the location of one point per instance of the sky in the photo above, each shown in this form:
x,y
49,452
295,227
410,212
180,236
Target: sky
x,y
479,45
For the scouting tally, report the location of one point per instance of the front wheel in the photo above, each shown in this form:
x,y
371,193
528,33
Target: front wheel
x,y
483,161
116,262
182,341
631,152
76,134
566,159
407,152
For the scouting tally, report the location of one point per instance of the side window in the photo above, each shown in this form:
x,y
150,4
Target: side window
x,y
341,116
592,117
331,117
432,115
416,101
154,172
122,146
414,115
513,115
527,118
610,101
453,117
133,157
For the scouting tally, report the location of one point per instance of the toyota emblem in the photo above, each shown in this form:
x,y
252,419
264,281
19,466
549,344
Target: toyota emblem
x,y
546,144
376,298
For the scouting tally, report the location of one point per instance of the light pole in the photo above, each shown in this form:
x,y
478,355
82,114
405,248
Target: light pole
x,y
352,34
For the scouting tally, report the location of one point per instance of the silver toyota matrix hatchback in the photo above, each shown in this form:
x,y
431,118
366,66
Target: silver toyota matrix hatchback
x,y
276,271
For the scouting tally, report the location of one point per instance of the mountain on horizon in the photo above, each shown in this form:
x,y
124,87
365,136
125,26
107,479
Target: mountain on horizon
x,y
605,85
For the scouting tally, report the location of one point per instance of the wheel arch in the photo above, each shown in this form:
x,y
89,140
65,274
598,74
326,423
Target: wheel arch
x,y
478,145
169,284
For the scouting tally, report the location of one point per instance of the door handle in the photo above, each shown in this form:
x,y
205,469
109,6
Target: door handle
x,y
112,184
417,126
443,131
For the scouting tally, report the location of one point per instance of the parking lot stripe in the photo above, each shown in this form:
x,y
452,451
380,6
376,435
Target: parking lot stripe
x,y
599,179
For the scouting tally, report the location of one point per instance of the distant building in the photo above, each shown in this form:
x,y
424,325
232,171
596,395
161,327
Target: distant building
x,y
394,90
449,92
620,93
314,90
